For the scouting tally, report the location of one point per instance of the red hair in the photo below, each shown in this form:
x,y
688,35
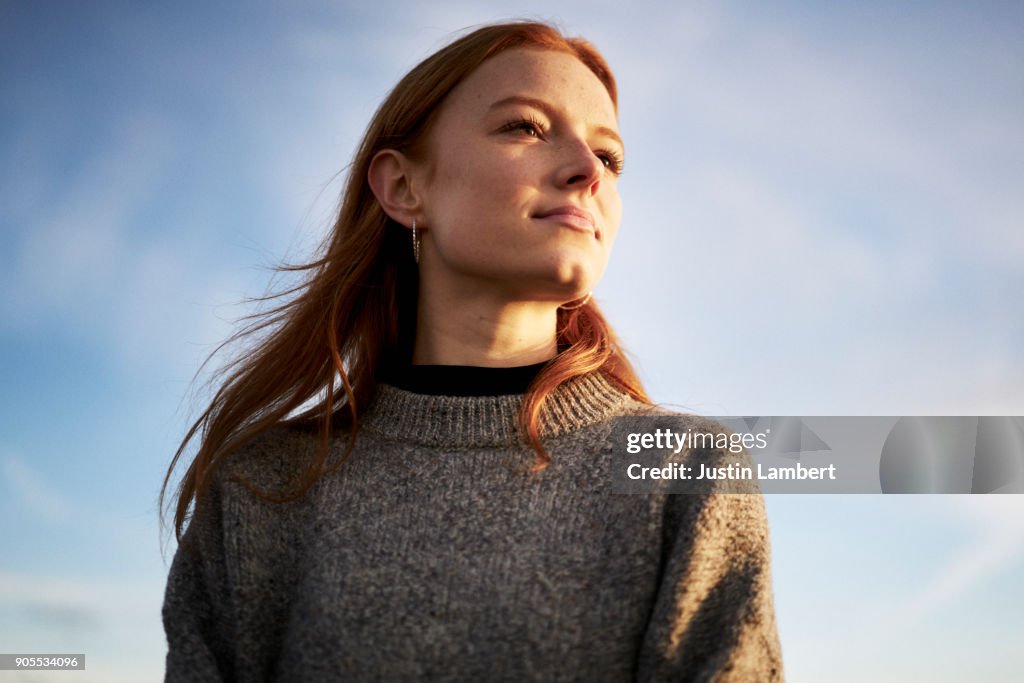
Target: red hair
x,y
356,307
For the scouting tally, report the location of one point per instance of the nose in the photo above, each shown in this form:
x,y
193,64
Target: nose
x,y
581,169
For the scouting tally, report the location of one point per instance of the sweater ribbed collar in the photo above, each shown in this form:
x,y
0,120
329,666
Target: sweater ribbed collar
x,y
485,421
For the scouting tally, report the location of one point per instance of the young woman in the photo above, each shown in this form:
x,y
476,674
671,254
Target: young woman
x,y
410,478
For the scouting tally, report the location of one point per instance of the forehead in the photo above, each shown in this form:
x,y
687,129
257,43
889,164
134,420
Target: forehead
x,y
558,78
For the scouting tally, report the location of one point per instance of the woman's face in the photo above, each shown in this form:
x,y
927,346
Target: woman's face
x,y
519,180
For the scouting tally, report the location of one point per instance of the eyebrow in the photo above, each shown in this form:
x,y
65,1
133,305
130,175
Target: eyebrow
x,y
550,111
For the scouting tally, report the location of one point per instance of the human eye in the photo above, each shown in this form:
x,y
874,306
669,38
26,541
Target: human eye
x,y
612,160
527,124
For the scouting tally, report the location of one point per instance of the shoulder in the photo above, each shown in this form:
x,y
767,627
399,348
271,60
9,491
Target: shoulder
x,y
253,493
269,458
271,461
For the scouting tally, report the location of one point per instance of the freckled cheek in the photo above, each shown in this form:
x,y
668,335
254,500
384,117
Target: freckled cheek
x,y
471,179
497,177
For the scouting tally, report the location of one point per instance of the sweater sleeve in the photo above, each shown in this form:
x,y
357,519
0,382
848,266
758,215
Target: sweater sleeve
x,y
196,612
714,617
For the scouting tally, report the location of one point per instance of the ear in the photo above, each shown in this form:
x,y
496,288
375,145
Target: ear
x,y
391,180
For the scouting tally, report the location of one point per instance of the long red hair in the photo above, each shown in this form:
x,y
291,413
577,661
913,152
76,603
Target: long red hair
x,y
317,362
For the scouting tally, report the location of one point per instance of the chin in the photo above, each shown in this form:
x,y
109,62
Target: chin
x,y
548,285
575,277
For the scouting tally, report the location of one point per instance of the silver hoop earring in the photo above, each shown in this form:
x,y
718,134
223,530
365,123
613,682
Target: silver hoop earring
x,y
581,304
415,242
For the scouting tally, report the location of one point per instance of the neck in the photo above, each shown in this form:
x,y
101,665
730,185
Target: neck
x,y
483,330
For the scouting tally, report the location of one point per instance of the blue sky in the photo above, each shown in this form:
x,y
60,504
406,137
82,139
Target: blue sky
x,y
822,216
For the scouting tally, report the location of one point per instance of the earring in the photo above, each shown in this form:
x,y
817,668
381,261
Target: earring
x,y
415,242
579,305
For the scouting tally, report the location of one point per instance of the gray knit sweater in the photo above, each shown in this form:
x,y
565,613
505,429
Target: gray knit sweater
x,y
428,556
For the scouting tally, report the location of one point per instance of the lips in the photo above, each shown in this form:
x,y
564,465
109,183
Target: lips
x,y
571,217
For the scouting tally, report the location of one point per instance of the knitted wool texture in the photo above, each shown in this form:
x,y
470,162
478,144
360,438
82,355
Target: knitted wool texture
x,y
430,555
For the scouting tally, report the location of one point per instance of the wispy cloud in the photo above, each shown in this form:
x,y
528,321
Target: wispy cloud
x,y
74,244
90,260
34,492
995,524
848,203
998,521
115,622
